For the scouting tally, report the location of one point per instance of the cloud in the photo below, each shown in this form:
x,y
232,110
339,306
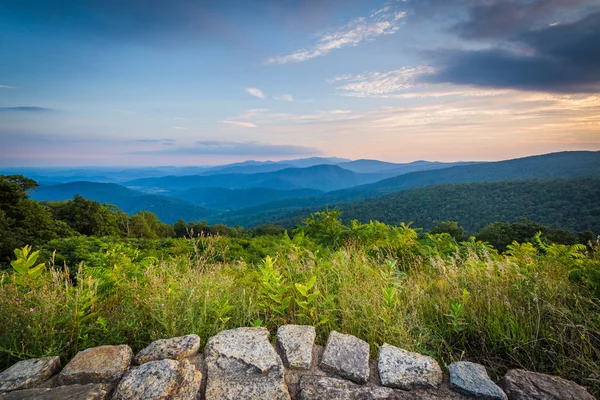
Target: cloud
x,y
558,58
158,141
26,109
182,128
7,87
241,124
284,97
377,84
381,22
255,92
216,147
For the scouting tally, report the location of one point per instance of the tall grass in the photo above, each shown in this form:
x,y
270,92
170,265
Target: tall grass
x,y
463,302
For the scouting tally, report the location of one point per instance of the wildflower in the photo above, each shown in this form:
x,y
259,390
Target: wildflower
x,y
68,343
162,305
32,310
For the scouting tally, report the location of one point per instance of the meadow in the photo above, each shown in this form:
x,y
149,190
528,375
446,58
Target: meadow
x,y
535,306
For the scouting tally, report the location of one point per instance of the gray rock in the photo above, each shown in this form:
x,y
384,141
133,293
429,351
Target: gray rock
x,y
28,373
242,364
346,356
472,380
403,369
173,349
158,380
526,385
97,365
296,343
314,387
72,392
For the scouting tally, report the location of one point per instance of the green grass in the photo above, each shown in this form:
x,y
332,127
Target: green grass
x,y
535,308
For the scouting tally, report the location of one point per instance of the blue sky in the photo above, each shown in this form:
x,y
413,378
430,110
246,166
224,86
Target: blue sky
x,y
196,82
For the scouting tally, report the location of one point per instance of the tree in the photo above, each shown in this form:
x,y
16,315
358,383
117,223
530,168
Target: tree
x,y
452,228
24,221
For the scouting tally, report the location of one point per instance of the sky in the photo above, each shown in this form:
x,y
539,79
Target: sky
x,y
203,82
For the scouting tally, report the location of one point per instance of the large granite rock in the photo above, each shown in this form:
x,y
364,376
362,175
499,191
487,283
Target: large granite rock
x,y
90,391
174,349
403,369
346,356
526,385
296,343
242,364
160,380
28,373
314,387
472,380
97,365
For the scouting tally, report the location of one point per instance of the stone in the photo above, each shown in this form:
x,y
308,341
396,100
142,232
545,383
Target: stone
x,y
174,349
346,356
90,391
27,374
97,365
526,385
403,369
296,343
472,380
242,364
314,387
158,380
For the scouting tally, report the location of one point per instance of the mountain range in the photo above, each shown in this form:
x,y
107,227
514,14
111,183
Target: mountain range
x,y
254,193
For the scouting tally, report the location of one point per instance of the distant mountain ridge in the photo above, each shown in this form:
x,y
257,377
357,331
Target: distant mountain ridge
x,y
261,197
167,209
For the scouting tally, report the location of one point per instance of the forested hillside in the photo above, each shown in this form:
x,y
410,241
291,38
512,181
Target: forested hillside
x,y
555,165
571,204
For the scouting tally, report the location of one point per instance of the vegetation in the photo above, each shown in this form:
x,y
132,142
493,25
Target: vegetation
x,y
535,305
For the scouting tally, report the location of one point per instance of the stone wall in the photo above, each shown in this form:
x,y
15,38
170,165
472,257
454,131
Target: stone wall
x,y
242,364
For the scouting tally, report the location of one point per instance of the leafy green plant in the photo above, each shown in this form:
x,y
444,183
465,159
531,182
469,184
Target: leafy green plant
x,y
274,298
308,301
25,265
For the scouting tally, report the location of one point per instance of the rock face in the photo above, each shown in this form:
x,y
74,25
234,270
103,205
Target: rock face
x,y
472,380
525,385
158,380
403,369
97,365
242,364
28,373
173,349
72,392
346,356
296,343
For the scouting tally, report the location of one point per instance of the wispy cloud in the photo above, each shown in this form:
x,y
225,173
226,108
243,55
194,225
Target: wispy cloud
x,y
157,141
403,83
182,128
7,87
255,92
242,124
376,84
26,109
284,97
381,22
206,147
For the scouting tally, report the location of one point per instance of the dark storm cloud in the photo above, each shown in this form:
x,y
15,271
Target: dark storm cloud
x,y
206,147
493,19
559,58
25,109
